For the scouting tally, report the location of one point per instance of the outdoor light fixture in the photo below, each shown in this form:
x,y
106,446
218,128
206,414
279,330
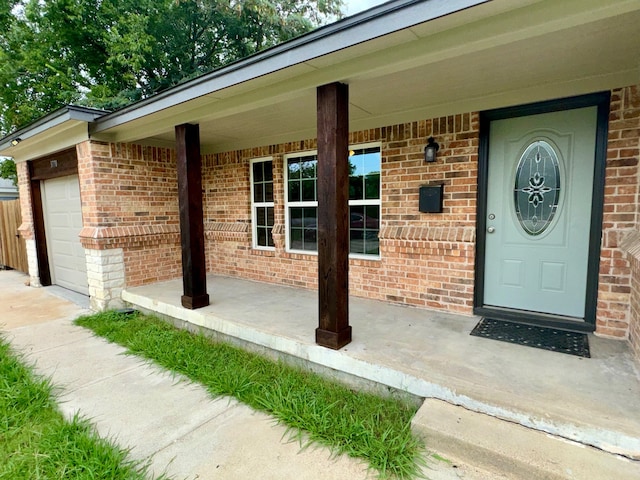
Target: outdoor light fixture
x,y
431,150
15,141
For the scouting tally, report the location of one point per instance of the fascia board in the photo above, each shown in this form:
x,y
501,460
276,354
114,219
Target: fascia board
x,y
55,119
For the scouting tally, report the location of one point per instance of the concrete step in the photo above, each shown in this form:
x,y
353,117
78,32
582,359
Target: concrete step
x,y
511,450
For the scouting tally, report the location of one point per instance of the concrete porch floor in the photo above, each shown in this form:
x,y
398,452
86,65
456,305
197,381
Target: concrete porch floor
x,y
594,402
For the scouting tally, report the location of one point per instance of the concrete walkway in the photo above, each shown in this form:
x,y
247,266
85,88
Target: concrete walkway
x,y
171,422
524,412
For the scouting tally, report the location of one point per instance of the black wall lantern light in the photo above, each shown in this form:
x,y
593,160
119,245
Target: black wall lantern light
x,y
431,150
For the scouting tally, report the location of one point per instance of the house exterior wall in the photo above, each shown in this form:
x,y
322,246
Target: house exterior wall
x,y
426,260
624,154
130,215
26,229
130,206
620,215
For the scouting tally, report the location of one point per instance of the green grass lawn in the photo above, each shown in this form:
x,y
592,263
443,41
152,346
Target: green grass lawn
x,y
36,442
315,410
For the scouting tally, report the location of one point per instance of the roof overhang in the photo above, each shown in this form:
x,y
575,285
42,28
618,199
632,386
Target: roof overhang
x,y
61,129
404,60
290,59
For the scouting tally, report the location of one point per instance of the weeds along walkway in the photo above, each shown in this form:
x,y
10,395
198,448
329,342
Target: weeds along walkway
x,y
177,425
38,442
348,422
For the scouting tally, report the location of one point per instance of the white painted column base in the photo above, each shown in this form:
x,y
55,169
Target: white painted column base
x,y
105,275
32,262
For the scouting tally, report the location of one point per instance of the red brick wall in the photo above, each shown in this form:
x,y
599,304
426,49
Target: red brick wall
x,y
24,185
129,197
127,185
620,260
620,211
130,200
227,212
426,259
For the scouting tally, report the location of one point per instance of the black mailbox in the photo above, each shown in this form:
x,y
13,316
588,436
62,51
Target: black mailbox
x,y
431,198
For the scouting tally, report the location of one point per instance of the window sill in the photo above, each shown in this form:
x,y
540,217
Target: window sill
x,y
263,252
354,259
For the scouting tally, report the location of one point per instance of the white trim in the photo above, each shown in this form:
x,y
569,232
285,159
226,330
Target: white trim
x,y
254,226
287,204
362,146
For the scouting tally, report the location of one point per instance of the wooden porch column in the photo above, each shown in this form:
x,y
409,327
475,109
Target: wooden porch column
x,y
194,269
334,330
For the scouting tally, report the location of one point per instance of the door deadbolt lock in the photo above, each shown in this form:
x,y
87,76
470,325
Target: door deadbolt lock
x,y
492,216
491,230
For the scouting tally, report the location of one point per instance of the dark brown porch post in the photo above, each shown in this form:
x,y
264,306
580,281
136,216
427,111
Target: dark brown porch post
x,y
334,330
194,269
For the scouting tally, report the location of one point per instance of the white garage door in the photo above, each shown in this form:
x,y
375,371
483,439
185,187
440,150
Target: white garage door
x,y
63,222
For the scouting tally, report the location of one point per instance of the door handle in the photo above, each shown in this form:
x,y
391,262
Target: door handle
x,y
491,229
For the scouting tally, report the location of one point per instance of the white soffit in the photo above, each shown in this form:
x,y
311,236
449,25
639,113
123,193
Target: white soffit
x,y
57,131
54,139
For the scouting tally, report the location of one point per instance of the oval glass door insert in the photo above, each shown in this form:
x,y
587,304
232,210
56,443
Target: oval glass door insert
x,y
537,187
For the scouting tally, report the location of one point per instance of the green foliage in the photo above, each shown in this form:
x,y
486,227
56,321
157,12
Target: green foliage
x,y
108,53
8,170
315,410
37,443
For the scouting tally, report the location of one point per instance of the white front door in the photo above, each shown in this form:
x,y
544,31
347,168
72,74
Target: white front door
x,y
538,215
63,222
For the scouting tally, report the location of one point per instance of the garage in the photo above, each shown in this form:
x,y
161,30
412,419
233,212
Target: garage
x,y
63,222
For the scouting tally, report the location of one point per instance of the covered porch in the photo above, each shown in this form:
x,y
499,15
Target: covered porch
x,y
430,355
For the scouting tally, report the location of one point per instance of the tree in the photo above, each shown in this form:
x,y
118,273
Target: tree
x,y
109,53
8,170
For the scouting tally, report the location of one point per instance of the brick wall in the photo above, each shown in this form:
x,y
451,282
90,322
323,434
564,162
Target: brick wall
x,y
129,196
26,228
130,201
620,212
620,260
426,259
631,246
24,186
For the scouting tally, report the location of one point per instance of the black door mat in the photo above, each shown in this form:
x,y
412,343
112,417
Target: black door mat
x,y
538,337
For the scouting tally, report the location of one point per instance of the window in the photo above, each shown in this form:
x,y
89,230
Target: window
x,y
537,187
364,201
262,203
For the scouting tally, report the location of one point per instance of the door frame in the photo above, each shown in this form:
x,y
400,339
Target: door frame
x,y
600,100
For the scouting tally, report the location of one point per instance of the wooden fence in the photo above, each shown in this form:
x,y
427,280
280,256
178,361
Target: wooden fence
x,y
13,252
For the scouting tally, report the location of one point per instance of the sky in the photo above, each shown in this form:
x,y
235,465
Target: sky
x,y
355,6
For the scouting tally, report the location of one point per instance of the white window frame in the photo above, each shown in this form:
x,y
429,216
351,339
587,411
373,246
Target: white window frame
x,y
255,205
302,204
